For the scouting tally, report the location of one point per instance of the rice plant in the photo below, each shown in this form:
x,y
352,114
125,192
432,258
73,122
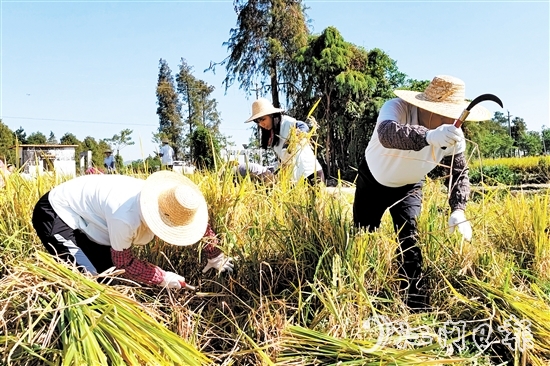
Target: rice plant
x,y
307,287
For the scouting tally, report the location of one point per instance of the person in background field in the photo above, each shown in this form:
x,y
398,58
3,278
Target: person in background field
x,y
4,172
10,168
109,162
166,154
413,135
95,220
276,130
258,172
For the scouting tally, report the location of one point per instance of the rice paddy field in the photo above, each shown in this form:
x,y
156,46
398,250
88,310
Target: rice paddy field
x,y
308,289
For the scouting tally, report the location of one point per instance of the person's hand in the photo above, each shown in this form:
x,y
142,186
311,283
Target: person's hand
x,y
458,220
312,121
268,178
222,263
172,280
444,136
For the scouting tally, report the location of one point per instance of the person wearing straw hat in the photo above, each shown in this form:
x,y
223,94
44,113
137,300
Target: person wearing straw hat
x,y
276,129
109,162
166,154
95,220
414,134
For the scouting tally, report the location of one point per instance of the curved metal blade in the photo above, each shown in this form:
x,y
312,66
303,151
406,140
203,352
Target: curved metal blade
x,y
483,98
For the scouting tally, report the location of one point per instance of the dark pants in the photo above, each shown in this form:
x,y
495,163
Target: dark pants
x,y
67,244
371,201
316,178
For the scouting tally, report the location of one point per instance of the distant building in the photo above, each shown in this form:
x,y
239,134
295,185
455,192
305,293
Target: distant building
x,y
39,159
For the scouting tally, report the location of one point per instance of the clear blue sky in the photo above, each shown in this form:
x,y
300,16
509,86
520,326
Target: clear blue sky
x,y
91,67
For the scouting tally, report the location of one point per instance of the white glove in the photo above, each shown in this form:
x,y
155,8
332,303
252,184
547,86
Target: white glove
x,y
444,136
458,220
172,280
221,263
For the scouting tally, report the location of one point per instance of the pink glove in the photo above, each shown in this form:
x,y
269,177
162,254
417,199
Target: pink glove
x,y
458,220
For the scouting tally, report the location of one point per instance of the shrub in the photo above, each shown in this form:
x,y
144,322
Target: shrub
x,y
494,174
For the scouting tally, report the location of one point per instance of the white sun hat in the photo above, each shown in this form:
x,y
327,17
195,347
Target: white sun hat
x,y
174,208
445,95
262,107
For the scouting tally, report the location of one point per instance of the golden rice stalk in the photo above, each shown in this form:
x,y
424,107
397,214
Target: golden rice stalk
x,y
309,347
55,314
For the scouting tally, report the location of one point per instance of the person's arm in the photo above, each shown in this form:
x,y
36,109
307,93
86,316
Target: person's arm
x,y
210,248
457,170
216,258
136,269
393,135
121,237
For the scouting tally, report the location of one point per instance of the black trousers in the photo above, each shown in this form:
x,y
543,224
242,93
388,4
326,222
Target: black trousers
x,y
371,201
66,243
316,178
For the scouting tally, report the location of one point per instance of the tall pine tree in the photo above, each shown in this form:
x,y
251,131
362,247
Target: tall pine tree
x,y
201,111
169,108
268,34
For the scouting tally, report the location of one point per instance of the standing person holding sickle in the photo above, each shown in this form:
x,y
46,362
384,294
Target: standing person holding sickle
x,y
414,134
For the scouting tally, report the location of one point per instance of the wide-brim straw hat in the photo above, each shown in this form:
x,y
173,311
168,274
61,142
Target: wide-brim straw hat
x,y
165,140
174,208
445,95
262,107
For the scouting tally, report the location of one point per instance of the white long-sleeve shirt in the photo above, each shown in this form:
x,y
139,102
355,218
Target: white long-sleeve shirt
x,y
167,157
105,207
394,167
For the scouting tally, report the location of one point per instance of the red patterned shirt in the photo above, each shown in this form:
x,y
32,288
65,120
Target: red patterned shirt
x,y
147,273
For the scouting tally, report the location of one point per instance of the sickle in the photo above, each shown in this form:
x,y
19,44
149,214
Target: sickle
x,y
481,98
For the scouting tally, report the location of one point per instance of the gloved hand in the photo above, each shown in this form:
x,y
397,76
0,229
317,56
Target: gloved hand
x,y
222,263
172,280
458,220
444,136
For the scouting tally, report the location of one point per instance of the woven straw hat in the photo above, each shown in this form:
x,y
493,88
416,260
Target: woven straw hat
x,y
445,95
262,107
165,140
174,208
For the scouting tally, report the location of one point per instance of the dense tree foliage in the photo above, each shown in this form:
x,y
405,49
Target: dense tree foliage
x,y
37,138
263,44
352,83
488,138
21,135
119,142
168,108
69,139
52,140
545,136
530,143
205,147
200,107
7,140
